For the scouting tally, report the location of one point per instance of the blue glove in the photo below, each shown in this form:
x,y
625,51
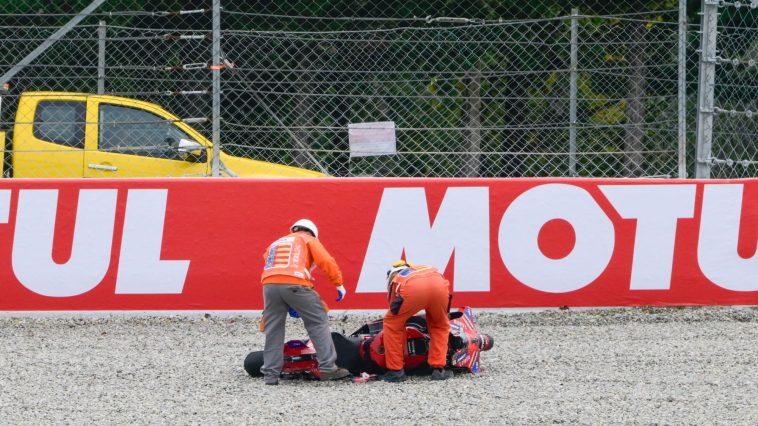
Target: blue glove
x,y
341,293
293,313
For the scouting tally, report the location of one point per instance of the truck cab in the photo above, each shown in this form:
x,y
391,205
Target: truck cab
x,y
62,135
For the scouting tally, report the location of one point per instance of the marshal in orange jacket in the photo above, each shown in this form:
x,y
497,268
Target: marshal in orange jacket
x,y
410,290
290,260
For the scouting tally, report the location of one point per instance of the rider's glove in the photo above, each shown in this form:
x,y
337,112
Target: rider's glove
x,y
341,293
293,313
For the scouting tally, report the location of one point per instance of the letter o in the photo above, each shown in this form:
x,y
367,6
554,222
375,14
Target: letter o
x,y
520,227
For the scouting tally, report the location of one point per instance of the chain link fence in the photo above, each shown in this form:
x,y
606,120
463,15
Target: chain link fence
x,y
58,125
728,107
470,89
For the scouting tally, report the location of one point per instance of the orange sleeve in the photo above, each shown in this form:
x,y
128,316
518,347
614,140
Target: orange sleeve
x,y
325,261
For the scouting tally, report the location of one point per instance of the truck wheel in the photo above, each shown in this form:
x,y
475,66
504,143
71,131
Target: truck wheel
x,y
253,363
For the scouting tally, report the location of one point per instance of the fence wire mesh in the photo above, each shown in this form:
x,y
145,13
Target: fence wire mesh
x,y
110,98
734,147
473,89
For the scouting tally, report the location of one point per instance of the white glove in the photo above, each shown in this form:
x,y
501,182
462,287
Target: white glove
x,y
341,292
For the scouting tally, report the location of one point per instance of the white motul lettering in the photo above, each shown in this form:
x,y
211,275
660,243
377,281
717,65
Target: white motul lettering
x,y
5,205
402,223
525,217
140,270
717,244
90,251
657,209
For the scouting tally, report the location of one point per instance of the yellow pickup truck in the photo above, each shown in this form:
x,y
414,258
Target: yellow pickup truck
x,y
62,135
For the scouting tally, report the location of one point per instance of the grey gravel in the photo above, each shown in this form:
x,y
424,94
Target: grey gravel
x,y
624,366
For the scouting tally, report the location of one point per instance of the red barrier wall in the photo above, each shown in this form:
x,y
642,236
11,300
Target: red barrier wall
x,y
197,244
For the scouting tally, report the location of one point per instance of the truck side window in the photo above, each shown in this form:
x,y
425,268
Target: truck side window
x,y
134,131
60,122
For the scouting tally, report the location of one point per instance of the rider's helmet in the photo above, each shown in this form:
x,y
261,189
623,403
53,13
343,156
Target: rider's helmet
x,y
305,225
484,341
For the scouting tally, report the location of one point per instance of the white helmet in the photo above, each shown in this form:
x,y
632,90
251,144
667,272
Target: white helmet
x,y
307,224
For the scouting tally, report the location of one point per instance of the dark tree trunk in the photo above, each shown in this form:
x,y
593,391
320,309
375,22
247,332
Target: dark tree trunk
x,y
473,120
634,143
516,115
303,114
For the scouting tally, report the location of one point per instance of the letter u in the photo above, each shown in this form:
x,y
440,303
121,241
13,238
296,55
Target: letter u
x,y
32,257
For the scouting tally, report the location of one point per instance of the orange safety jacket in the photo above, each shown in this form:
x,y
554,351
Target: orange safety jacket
x,y
290,260
409,274
422,287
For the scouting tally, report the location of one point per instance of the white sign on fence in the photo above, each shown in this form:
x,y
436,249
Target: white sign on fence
x,y
367,139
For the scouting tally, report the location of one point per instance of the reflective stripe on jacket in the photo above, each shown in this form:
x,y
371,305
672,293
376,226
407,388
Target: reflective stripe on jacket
x,y
290,259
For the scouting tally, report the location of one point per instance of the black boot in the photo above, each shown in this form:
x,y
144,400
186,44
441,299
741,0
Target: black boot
x,y
337,374
441,374
394,376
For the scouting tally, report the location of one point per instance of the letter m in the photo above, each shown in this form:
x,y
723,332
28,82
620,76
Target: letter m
x,y
402,225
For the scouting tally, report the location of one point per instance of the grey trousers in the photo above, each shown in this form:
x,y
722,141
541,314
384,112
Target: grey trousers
x,y
277,298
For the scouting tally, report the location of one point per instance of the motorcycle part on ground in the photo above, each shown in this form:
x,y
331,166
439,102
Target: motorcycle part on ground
x,y
363,352
300,358
364,377
253,363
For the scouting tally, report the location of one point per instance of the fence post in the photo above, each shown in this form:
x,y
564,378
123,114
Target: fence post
x,y
573,90
216,75
101,57
682,89
706,85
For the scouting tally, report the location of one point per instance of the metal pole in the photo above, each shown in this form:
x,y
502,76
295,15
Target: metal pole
x,y
706,85
216,73
50,40
101,57
682,92
573,90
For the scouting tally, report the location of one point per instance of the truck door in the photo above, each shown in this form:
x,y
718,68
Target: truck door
x,y
134,139
48,136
